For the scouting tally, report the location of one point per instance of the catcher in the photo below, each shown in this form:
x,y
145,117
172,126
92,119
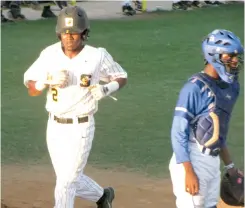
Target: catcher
x,y
200,125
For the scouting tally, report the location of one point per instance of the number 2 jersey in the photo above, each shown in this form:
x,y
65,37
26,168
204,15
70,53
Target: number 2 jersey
x,y
87,68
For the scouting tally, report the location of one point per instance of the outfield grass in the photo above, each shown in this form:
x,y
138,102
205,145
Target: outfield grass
x,y
159,54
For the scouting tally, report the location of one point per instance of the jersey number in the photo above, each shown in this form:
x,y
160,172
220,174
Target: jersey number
x,y
54,94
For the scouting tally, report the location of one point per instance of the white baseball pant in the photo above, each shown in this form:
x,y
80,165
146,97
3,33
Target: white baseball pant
x,y
69,146
207,169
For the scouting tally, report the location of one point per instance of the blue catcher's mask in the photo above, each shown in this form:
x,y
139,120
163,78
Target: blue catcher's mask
x,y
219,43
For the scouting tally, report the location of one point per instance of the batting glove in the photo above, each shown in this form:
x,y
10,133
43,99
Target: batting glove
x,y
58,79
100,91
97,91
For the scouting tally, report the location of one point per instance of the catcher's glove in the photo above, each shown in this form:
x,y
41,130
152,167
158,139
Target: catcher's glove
x,y
232,189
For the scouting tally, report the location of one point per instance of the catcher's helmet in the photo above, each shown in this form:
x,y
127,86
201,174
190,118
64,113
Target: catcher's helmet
x,y
72,19
221,42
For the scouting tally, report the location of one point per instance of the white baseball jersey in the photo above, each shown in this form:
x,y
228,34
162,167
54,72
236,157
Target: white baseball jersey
x,y
87,68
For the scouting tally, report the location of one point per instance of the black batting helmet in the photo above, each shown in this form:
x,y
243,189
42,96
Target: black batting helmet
x,y
72,19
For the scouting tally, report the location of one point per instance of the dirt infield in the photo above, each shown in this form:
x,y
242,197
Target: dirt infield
x,y
33,186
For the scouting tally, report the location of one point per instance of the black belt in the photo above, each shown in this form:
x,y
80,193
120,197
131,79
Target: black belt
x,y
213,152
70,120
205,150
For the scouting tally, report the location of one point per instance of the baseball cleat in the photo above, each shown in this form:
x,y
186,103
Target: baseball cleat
x,y
107,198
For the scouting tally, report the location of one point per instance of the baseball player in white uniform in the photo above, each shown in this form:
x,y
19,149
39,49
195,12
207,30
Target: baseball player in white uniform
x,y
71,72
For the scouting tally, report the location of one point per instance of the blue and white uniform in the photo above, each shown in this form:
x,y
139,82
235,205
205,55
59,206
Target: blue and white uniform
x,y
201,120
200,96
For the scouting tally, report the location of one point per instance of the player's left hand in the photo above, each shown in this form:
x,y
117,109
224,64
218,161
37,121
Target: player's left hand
x,y
97,91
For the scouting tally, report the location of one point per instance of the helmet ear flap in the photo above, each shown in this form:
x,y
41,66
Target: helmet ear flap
x,y
215,57
59,36
85,35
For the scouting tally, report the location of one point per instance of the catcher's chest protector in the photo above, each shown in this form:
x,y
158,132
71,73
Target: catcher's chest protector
x,y
225,96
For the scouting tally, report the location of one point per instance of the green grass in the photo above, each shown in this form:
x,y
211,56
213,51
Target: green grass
x,y
159,54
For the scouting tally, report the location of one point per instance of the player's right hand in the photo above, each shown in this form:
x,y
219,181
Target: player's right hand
x,y
191,182
58,79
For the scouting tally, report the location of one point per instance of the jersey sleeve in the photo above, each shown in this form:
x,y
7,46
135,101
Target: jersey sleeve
x,y
179,139
109,68
187,107
38,70
189,102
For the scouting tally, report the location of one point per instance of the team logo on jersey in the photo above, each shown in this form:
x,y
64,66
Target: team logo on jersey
x,y
85,80
68,22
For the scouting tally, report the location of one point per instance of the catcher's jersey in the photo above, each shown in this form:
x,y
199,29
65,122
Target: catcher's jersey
x,y
87,68
197,99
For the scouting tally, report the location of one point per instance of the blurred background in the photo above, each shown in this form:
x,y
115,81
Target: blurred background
x,y
32,10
